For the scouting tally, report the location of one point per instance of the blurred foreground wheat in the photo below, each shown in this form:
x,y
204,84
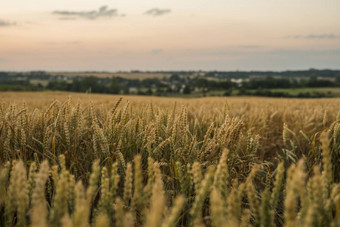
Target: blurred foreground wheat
x,y
264,162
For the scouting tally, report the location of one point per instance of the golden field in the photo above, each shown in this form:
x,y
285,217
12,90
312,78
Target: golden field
x,y
70,159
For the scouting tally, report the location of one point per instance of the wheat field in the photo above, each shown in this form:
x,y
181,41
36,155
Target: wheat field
x,y
69,159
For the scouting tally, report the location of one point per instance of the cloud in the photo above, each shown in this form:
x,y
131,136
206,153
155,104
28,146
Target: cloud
x,y
63,43
271,55
315,36
250,46
4,23
261,59
157,12
67,18
157,51
103,11
324,36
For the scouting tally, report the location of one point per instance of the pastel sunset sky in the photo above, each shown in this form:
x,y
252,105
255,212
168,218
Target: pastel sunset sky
x,y
111,35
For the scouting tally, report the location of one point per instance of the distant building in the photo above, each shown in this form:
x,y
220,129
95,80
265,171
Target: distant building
x,y
133,89
238,81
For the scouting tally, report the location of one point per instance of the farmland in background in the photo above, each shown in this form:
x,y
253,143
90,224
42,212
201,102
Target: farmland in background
x,y
290,84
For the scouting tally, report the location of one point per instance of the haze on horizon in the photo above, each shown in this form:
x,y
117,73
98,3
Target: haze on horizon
x,y
74,35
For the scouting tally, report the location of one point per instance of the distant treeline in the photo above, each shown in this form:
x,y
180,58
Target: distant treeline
x,y
244,83
176,84
286,74
269,93
270,82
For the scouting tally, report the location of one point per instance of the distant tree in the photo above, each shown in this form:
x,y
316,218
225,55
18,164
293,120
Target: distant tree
x,y
114,86
315,82
186,90
140,92
149,91
337,81
201,83
228,92
126,90
168,89
174,77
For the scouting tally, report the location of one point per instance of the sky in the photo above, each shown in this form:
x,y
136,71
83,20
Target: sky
x,y
107,35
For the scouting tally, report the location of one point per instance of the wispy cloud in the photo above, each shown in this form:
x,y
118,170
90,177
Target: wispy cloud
x,y
315,36
4,23
67,18
63,43
250,46
103,11
266,59
157,12
288,54
157,51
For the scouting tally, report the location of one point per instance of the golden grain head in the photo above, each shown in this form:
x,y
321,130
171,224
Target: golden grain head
x,y
125,162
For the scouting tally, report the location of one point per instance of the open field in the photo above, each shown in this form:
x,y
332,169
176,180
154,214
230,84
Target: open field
x,y
72,159
294,91
311,92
